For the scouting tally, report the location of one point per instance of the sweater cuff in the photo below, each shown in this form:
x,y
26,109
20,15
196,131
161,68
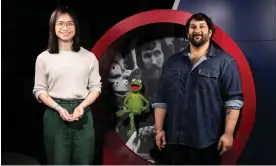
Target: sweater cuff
x,y
39,92
98,89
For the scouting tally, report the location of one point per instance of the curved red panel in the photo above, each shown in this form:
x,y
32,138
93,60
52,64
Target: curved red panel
x,y
115,151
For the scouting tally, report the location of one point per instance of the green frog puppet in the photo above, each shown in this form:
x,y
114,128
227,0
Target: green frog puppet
x,y
135,104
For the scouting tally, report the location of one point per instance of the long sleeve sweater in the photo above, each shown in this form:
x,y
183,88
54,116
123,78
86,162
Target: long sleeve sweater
x,y
67,75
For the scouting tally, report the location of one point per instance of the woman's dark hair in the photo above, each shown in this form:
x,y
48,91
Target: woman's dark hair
x,y
53,47
201,17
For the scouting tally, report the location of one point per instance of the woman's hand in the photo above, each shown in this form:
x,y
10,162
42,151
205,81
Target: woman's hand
x,y
78,112
64,114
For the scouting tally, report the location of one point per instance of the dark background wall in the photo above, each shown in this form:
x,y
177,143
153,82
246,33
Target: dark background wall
x,y
252,25
24,36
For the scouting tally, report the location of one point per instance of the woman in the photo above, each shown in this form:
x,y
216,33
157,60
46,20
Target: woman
x,y
67,81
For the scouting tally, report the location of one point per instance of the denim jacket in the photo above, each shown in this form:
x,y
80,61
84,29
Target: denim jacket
x,y
196,96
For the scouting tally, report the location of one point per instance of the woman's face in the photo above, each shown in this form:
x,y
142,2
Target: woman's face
x,y
65,28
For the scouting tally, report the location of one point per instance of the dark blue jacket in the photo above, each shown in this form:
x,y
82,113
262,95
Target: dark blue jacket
x,y
196,96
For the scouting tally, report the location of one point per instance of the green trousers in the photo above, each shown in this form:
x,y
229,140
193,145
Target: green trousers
x,y
69,143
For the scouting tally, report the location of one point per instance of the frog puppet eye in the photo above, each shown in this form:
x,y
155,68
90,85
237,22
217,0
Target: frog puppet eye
x,y
139,80
133,80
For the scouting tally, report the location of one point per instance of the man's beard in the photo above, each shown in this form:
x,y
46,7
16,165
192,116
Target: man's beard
x,y
153,72
198,43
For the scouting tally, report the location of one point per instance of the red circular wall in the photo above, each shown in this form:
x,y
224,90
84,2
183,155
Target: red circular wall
x,y
115,151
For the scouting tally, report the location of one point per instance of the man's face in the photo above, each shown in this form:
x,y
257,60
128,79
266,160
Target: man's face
x,y
199,33
153,59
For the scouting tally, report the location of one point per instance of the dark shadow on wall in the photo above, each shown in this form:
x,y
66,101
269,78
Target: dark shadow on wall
x,y
8,158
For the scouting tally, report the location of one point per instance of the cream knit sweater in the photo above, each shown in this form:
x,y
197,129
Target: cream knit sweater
x,y
67,75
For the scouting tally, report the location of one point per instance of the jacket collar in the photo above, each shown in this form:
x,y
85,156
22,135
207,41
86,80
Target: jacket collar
x,y
210,53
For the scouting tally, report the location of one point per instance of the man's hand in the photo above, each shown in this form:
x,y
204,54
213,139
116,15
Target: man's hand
x,y
78,112
160,139
64,114
225,143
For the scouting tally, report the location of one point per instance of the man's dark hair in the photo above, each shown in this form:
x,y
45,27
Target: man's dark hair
x,y
150,45
53,39
201,17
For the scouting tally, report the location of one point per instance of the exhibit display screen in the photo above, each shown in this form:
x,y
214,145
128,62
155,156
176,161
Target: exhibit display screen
x,y
145,63
139,55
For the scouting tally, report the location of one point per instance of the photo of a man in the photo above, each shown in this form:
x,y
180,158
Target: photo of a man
x,y
144,62
150,59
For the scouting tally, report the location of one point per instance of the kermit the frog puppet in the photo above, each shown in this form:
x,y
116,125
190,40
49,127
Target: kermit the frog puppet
x,y
135,104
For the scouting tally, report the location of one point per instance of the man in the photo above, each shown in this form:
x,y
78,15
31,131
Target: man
x,y
150,59
198,100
